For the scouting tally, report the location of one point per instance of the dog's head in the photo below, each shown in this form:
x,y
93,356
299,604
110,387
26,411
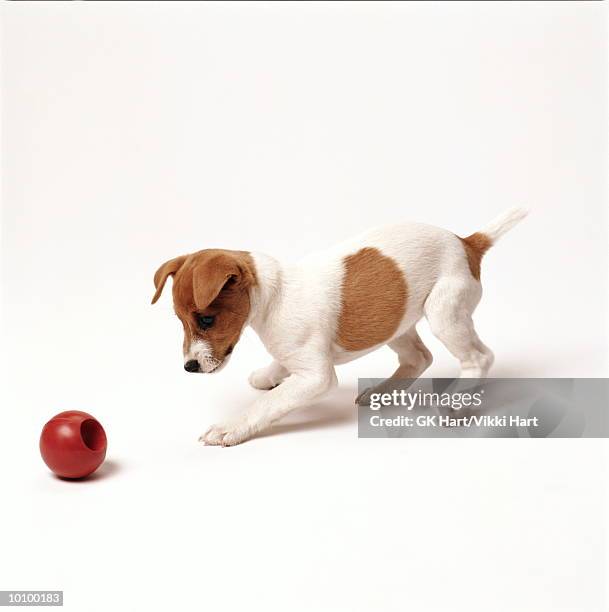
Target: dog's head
x,y
211,296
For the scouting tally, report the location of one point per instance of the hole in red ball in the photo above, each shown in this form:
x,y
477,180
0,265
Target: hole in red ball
x,y
92,434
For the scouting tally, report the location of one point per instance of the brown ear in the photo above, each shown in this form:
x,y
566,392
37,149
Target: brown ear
x,y
209,278
169,268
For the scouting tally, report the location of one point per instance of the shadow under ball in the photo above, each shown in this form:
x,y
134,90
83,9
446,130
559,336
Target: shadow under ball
x,y
73,444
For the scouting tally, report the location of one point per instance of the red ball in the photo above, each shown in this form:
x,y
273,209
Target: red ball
x,y
73,444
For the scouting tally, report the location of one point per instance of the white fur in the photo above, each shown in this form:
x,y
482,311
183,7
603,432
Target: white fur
x,y
201,351
295,309
503,223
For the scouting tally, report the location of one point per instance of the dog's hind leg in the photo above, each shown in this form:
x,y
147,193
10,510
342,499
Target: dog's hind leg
x,y
414,358
449,309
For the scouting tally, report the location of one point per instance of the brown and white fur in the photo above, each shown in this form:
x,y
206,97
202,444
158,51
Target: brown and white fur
x,y
330,308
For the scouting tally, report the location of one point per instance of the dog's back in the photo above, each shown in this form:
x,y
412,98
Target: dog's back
x,y
375,286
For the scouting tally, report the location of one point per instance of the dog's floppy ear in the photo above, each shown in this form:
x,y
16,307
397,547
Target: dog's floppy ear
x,y
169,268
211,277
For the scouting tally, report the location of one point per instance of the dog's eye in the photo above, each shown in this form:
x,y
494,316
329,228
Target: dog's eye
x,y
204,321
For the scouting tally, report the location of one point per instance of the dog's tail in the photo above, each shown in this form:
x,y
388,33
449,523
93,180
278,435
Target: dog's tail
x,y
503,223
480,242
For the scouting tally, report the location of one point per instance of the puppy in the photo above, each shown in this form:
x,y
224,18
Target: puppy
x,y
331,308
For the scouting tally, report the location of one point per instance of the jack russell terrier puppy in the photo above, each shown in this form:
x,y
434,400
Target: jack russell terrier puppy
x,y
330,308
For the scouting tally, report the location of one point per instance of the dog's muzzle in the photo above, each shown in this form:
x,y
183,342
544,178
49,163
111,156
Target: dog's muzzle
x,y
205,366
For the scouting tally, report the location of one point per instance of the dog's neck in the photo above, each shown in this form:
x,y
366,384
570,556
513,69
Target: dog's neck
x,y
265,294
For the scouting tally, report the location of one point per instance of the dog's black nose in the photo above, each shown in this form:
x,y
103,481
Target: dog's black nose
x,y
192,366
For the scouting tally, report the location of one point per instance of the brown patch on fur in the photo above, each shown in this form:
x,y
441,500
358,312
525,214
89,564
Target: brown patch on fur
x,y
213,282
374,295
475,247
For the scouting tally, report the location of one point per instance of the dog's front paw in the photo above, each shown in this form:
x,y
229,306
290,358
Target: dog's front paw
x,y
260,379
227,434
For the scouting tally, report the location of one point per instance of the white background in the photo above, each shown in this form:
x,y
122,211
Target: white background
x,y
135,132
